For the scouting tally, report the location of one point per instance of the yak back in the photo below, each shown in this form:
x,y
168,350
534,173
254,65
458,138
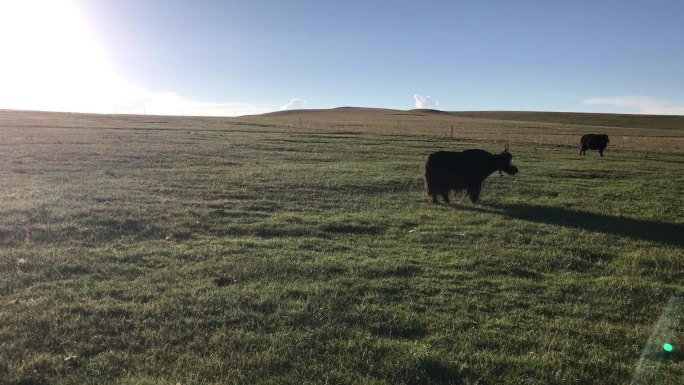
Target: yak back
x,y
594,141
467,165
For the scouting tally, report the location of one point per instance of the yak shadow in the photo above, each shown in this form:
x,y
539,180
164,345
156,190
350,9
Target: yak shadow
x,y
642,229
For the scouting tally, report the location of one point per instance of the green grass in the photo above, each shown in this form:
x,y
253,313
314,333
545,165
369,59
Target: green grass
x,y
161,250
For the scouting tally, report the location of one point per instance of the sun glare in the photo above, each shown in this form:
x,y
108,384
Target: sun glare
x,y
51,60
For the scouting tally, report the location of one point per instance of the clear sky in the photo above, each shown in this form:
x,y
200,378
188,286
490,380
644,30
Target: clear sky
x,y
234,57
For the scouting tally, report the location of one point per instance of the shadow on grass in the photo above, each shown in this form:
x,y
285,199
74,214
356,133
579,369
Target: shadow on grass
x,y
352,229
643,229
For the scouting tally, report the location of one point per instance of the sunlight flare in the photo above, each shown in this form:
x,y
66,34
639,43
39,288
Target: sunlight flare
x,y
52,61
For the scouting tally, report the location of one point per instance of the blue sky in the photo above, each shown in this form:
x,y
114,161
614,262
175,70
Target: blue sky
x,y
239,56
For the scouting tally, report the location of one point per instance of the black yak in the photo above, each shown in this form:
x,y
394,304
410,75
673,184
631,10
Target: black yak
x,y
448,170
593,142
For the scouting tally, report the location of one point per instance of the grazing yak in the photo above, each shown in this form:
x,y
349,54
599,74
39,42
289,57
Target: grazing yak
x,y
593,142
448,170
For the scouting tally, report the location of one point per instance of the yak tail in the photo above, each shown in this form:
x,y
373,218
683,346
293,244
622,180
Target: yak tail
x,y
431,188
428,193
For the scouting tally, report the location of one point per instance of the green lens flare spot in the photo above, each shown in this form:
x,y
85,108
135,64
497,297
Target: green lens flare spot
x,y
668,348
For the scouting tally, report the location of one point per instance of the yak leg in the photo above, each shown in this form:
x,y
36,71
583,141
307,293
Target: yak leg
x,y
433,193
474,192
431,189
445,196
601,151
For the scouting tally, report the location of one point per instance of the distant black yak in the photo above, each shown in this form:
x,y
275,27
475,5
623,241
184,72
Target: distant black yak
x,y
593,142
448,170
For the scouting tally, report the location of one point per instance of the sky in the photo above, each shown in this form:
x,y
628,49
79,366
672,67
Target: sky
x,y
237,57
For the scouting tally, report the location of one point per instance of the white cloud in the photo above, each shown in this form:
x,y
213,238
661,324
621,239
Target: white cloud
x,y
116,96
639,104
136,100
425,102
294,104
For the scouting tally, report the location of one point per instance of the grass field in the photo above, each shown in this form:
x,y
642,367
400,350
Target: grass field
x,y
299,248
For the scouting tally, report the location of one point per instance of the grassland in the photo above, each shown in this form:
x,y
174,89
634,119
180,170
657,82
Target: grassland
x,y
298,248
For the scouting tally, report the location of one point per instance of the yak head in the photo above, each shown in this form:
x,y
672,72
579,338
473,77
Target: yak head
x,y
505,162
